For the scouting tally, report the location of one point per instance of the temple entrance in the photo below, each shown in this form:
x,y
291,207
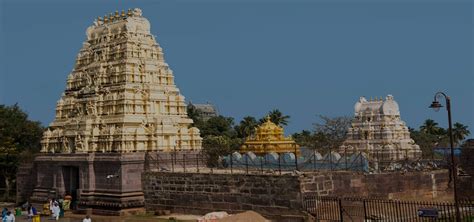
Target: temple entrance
x,y
71,181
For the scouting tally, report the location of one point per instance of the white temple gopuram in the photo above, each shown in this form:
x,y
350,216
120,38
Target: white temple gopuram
x,y
120,96
378,131
121,112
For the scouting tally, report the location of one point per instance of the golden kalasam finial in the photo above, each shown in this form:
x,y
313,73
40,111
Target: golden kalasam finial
x,y
129,12
111,17
106,18
116,14
123,13
268,119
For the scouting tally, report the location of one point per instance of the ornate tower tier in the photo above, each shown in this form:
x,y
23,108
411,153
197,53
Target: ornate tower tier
x,y
120,96
269,138
378,130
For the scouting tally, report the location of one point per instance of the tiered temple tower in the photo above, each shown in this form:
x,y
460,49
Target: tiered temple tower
x,y
121,110
121,95
378,130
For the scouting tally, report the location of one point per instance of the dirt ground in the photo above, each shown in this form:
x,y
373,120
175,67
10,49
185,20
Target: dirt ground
x,y
248,216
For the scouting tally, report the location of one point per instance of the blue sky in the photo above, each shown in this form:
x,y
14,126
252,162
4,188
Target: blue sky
x,y
247,57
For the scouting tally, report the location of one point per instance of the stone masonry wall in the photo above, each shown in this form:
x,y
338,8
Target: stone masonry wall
x,y
25,182
273,195
466,163
410,185
202,193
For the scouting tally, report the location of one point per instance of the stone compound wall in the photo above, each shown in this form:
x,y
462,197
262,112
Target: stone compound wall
x,y
273,195
466,163
202,193
405,186
25,182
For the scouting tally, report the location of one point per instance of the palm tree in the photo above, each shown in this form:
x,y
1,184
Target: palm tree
x,y
460,132
430,127
247,126
305,139
277,117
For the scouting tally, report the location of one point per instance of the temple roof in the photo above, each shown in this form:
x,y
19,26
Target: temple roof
x,y
117,23
205,108
269,137
268,127
377,106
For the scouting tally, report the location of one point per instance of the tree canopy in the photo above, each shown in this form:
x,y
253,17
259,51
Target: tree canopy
x,y
222,137
219,136
326,135
246,127
277,117
460,132
19,140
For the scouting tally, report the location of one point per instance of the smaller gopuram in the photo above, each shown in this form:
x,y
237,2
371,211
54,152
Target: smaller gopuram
x,y
269,138
378,131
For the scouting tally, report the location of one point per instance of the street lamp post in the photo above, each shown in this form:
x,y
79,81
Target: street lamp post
x,y
436,106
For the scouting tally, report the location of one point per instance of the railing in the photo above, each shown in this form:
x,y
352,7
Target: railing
x,y
248,163
369,209
175,161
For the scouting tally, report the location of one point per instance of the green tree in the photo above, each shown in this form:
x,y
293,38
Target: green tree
x,y
426,142
277,117
327,135
218,126
194,114
431,135
19,138
430,127
219,138
304,139
322,142
217,146
246,127
460,132
430,131
331,133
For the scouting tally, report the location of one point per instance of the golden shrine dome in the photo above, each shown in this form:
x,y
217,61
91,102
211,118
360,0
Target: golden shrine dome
x,y
269,137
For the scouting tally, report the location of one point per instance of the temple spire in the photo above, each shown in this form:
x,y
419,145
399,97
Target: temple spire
x,y
114,101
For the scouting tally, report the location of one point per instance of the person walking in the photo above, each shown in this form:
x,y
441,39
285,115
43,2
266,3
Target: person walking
x,y
50,205
87,219
56,211
9,217
4,214
30,213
